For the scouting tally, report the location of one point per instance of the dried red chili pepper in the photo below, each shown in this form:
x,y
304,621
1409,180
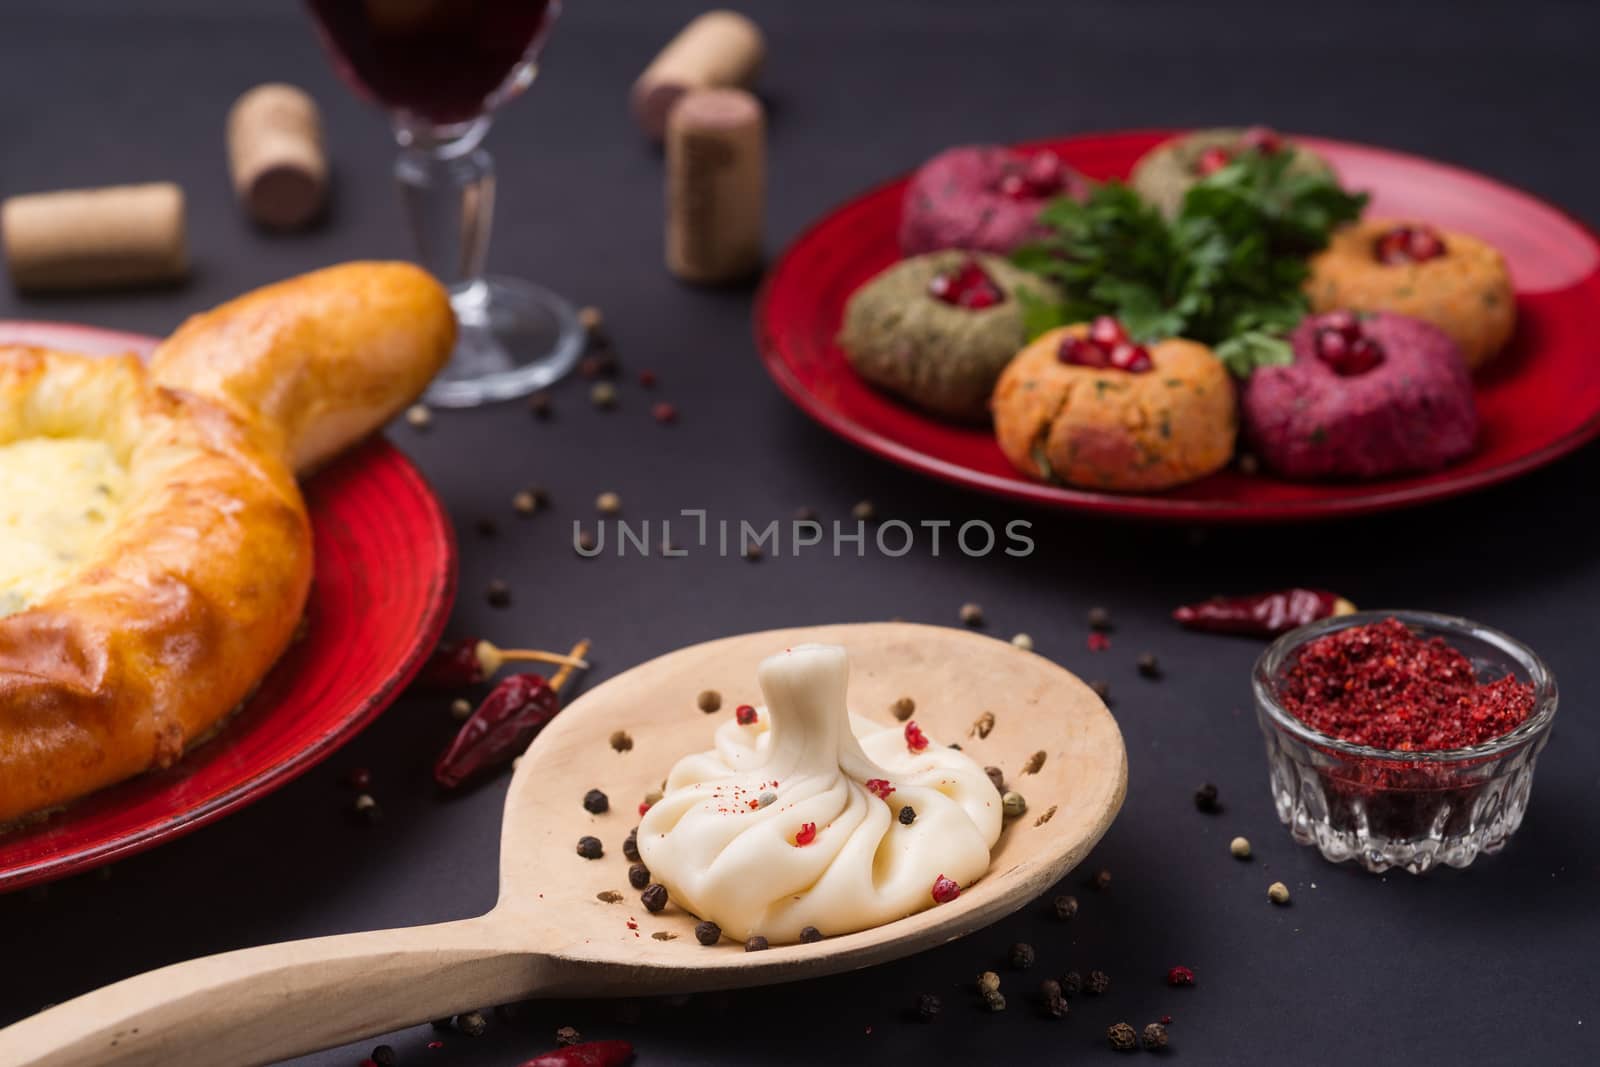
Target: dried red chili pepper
x,y
472,659
1262,614
589,1054
501,727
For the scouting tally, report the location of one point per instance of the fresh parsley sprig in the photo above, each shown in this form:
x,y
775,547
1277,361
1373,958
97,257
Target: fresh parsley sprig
x,y
1227,271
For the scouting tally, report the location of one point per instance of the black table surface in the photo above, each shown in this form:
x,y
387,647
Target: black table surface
x,y
1493,964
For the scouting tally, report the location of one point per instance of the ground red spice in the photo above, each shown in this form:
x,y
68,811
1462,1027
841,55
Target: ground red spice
x,y
1383,685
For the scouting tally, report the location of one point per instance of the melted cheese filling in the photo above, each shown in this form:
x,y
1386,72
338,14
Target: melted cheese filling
x,y
58,499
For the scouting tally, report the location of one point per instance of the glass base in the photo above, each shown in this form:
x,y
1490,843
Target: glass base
x,y
513,337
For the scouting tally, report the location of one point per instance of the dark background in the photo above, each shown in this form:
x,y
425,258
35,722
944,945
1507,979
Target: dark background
x,y
1497,963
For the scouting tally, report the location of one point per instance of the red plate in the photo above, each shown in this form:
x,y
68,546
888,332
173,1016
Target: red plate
x,y
370,624
1539,401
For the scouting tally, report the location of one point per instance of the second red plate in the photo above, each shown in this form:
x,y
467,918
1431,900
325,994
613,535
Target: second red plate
x,y
381,592
1538,401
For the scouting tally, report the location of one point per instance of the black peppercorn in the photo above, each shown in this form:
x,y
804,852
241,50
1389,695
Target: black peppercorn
x,y
1072,983
1102,880
1099,619
1066,907
486,528
908,815
443,1026
756,943
539,405
995,1001
568,1036
998,777
596,802
654,897
1052,999
1099,983
1149,666
1102,690
590,848
472,1023
498,594
810,935
707,933
1155,1037
928,1007
638,875
1205,799
1122,1037
630,845
384,1056
1021,956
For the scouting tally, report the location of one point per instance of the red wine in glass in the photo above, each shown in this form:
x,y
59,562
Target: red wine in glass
x,y
439,60
440,68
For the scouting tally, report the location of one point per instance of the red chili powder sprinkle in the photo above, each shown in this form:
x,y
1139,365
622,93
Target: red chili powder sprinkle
x,y
945,889
916,740
1384,686
1098,642
879,787
744,714
806,834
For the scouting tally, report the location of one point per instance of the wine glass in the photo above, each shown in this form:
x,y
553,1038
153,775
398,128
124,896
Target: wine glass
x,y
440,68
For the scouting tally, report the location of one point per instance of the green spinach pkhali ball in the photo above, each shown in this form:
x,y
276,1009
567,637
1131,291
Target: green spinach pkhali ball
x,y
1164,174
937,329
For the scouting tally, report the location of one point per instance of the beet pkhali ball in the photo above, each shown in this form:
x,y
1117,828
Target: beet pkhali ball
x,y
1086,406
937,329
1164,174
1453,280
982,197
1366,396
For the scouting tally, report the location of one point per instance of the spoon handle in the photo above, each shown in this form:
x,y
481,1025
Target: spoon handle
x,y
258,1005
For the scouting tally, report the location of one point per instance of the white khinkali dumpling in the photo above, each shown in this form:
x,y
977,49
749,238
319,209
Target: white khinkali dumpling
x,y
732,838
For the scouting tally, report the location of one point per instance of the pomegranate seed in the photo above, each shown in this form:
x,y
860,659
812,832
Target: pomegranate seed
x,y
1080,352
1365,354
1044,174
879,787
1263,139
1015,186
1213,160
1408,244
1180,976
1347,357
744,714
664,412
1342,322
1135,359
1332,346
968,286
806,834
916,740
1106,332
945,889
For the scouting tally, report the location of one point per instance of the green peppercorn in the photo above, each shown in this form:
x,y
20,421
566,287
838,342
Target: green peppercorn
x,y
995,1001
567,1036
1278,893
988,982
1013,804
1155,1037
1240,848
472,1023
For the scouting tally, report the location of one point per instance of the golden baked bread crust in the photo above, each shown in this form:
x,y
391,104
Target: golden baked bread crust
x,y
199,584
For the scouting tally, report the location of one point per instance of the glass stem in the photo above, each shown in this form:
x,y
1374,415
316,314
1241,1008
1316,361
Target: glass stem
x,y
446,183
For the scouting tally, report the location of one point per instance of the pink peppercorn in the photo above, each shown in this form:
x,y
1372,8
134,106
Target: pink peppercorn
x,y
806,834
945,889
1180,976
745,715
916,740
879,787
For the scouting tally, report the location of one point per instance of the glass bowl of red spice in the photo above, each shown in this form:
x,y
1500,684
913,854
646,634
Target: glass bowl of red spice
x,y
1402,739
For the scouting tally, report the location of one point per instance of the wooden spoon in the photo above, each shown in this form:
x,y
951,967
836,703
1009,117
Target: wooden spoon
x,y
553,932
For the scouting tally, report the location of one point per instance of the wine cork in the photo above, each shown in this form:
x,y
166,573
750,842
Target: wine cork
x,y
275,155
716,179
716,50
95,238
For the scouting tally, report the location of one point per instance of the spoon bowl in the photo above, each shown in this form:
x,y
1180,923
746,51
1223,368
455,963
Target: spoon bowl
x,y
570,926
